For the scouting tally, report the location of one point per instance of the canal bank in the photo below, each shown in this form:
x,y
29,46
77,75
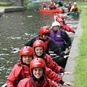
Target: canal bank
x,y
11,9
71,63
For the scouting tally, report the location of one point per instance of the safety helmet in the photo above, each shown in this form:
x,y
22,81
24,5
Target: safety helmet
x,y
37,63
55,24
59,20
44,30
69,3
26,51
38,43
75,3
60,16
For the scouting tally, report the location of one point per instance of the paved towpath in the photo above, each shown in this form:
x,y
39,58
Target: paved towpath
x,y
71,63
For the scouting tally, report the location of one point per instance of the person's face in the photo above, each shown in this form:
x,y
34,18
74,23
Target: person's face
x,y
26,59
56,28
39,51
38,72
45,36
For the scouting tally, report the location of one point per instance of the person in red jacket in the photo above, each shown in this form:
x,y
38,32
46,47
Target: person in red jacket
x,y
37,78
52,6
21,69
43,6
69,6
64,26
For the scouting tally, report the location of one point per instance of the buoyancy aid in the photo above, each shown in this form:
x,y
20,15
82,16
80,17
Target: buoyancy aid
x,y
75,9
56,37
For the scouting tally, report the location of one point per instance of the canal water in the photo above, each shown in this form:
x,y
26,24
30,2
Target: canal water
x,y
15,30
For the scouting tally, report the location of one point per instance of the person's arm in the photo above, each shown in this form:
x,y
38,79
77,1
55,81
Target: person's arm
x,y
66,38
53,65
52,75
30,42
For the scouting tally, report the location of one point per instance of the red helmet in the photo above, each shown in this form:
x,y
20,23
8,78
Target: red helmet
x,y
26,51
37,63
61,16
38,43
44,30
59,20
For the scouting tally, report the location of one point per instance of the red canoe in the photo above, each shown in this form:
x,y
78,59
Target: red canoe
x,y
51,11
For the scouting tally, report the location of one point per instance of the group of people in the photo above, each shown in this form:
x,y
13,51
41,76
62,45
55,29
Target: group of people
x,y
36,67
52,5
72,8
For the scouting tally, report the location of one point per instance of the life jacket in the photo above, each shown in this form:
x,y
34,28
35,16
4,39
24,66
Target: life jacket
x,y
75,9
56,37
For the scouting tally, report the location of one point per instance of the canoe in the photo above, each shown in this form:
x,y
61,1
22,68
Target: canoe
x,y
51,11
74,14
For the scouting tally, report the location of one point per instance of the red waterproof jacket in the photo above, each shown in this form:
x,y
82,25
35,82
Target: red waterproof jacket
x,y
43,6
19,73
29,82
52,6
67,28
50,63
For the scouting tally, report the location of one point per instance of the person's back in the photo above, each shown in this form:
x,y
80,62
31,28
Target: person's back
x,y
60,2
52,6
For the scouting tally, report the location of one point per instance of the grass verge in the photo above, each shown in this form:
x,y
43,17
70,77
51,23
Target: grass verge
x,y
81,67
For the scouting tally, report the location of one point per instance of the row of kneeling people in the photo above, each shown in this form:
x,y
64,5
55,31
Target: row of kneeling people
x,y
36,68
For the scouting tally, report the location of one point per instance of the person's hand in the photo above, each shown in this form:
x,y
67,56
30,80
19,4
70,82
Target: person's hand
x,y
66,51
67,84
67,73
66,56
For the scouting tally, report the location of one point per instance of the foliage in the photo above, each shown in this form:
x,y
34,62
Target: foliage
x,y
26,2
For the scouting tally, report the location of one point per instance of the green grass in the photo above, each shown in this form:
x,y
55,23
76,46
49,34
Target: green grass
x,y
81,67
